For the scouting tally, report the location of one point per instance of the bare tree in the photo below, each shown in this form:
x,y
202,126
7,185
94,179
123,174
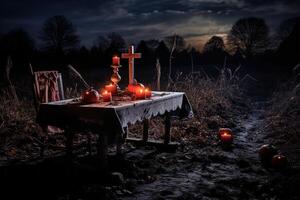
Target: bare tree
x,y
174,43
158,74
170,61
215,43
117,42
12,90
179,41
102,43
152,44
286,27
250,35
59,34
17,41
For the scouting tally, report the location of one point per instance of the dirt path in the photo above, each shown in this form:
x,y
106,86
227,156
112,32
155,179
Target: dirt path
x,y
208,172
193,172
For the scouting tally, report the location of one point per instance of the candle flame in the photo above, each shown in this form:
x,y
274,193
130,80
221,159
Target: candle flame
x,y
87,93
105,92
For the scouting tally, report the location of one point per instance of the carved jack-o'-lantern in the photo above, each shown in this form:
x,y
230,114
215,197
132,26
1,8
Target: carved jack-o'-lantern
x,y
90,96
279,161
266,152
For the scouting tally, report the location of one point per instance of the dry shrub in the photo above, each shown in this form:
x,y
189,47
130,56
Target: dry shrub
x,y
18,128
212,102
283,118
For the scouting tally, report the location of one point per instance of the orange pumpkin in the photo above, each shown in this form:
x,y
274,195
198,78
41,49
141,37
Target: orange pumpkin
x,y
266,152
90,96
279,161
134,87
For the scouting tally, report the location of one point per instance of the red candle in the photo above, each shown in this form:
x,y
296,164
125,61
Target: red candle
x,y
116,61
106,96
111,88
147,93
226,138
140,93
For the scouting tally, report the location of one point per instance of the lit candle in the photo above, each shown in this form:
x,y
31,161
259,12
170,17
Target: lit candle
x,y
140,93
111,88
106,96
226,138
147,93
116,61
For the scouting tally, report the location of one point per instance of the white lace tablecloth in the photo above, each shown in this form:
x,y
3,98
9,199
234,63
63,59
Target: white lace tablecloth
x,y
113,117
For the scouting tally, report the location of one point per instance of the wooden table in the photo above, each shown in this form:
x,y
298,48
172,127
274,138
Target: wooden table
x,y
110,119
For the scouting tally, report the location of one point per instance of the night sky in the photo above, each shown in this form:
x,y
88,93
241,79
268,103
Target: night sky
x,y
196,20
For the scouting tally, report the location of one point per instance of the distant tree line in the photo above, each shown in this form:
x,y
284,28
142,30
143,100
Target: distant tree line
x,y
248,42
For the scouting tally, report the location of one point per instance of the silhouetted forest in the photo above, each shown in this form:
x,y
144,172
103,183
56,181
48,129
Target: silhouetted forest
x,y
249,44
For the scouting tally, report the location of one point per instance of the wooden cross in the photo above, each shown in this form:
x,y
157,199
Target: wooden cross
x,y
131,56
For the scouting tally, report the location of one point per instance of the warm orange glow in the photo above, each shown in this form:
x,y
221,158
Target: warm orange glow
x,y
147,93
111,88
226,137
87,93
140,93
106,96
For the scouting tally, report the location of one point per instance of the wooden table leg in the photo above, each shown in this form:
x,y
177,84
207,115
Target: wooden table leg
x,y
145,130
119,144
69,143
167,137
89,147
125,133
102,149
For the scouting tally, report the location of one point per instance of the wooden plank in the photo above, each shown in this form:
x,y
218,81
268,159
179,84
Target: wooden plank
x,y
160,145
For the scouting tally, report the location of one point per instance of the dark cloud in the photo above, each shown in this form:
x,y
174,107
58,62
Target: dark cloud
x,y
144,19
